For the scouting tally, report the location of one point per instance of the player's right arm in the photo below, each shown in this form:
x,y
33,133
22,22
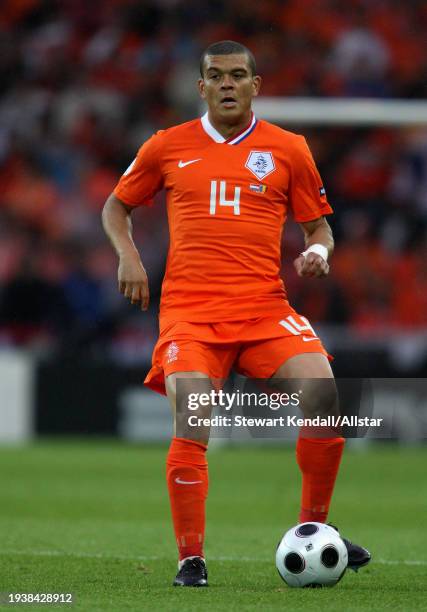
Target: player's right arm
x,y
137,187
132,277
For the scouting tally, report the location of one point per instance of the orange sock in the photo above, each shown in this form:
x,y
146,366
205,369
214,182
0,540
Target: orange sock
x,y
187,479
319,460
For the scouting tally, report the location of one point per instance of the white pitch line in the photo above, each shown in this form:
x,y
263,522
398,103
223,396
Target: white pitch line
x,y
86,555
404,562
79,555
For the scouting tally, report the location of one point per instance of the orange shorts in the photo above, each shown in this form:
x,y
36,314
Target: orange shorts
x,y
255,347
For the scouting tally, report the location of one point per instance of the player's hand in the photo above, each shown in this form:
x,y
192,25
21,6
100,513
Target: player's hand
x,y
133,281
312,265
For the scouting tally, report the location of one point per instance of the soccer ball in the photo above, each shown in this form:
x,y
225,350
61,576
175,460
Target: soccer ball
x,y
311,555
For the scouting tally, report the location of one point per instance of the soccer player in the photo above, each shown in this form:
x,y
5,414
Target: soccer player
x,y
231,180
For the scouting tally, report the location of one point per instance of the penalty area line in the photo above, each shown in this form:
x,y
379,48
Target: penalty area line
x,y
119,557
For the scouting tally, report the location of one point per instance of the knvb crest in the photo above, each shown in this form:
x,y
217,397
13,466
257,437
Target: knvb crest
x,y
172,352
260,163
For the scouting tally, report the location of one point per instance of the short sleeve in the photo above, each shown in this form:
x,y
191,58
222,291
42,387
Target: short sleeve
x,y
143,178
307,195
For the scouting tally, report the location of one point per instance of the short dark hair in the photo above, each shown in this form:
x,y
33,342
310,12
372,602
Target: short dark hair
x,y
228,47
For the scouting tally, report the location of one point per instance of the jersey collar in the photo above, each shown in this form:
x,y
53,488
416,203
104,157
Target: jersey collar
x,y
217,137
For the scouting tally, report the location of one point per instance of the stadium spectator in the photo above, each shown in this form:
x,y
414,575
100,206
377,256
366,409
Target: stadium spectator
x,y
83,86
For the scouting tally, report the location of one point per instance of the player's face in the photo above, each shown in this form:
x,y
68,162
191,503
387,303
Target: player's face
x,y
228,87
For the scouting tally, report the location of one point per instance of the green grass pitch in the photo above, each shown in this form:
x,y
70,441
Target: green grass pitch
x,y
92,518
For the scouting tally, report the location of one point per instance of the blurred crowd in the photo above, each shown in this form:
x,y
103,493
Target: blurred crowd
x,y
84,83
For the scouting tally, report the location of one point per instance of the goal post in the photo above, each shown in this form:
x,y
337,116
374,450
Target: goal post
x,y
341,111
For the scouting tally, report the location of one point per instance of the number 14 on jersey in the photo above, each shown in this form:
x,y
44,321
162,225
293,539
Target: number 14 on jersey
x,y
235,203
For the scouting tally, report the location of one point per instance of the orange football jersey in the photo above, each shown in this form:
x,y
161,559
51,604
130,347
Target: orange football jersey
x,y
227,201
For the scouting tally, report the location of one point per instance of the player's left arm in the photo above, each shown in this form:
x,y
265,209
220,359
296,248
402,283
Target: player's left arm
x,y
319,245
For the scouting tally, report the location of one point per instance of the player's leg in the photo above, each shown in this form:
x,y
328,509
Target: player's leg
x,y
318,452
187,476
187,359
293,364
318,456
301,360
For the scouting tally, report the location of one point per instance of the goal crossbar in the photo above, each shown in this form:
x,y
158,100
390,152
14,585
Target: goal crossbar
x,y
341,111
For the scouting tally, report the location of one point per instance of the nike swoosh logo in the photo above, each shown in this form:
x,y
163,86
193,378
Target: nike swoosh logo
x,y
309,339
179,481
182,164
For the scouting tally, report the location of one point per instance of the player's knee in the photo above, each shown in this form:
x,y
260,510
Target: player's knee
x,y
192,408
193,424
320,398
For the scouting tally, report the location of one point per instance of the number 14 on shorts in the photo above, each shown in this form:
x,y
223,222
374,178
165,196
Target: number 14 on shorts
x,y
292,325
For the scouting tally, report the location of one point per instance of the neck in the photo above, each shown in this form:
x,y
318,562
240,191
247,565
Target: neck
x,y
228,130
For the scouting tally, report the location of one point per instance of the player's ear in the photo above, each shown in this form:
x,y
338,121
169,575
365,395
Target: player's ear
x,y
201,86
256,84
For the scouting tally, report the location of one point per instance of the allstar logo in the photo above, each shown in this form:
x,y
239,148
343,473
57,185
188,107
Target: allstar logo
x,y
172,352
260,163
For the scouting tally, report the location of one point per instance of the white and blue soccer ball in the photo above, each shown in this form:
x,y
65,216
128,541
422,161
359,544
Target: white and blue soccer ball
x,y
311,555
